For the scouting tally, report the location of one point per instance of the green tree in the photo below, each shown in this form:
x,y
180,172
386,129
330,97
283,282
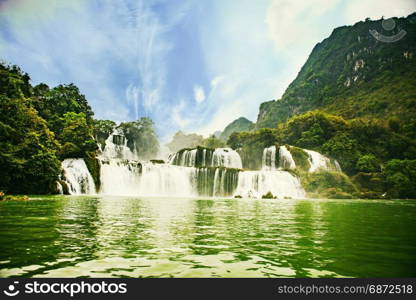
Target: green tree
x,y
368,163
103,129
28,149
76,136
213,142
401,178
141,137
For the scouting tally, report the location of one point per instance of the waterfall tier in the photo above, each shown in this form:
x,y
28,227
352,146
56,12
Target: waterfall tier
x,y
321,162
283,159
194,172
217,182
203,157
277,160
77,177
116,146
121,177
286,160
269,158
255,184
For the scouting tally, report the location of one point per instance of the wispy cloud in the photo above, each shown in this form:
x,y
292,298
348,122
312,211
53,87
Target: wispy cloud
x,y
190,65
199,94
117,47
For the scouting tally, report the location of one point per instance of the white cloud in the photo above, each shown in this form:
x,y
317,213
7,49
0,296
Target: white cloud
x,y
295,27
177,115
120,48
132,96
199,94
224,116
358,10
216,80
293,24
231,102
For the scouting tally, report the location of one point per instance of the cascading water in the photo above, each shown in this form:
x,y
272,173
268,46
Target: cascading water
x,y
226,157
273,160
59,188
203,157
121,177
255,184
77,177
216,181
190,172
116,146
269,158
321,162
285,159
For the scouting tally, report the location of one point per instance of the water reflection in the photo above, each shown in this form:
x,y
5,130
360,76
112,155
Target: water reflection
x,y
121,236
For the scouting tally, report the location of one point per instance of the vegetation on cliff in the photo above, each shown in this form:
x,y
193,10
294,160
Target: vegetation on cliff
x,y
353,75
40,126
241,124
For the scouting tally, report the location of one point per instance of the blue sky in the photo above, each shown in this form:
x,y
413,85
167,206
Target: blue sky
x,y
190,65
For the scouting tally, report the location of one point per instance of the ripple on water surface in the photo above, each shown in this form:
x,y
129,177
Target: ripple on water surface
x,y
66,236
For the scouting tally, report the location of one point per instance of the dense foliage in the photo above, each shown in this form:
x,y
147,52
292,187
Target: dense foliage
x,y
250,145
212,142
141,137
28,156
102,130
359,145
401,178
329,185
351,74
40,126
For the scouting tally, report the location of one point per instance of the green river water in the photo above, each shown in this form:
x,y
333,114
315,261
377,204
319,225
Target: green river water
x,y
68,236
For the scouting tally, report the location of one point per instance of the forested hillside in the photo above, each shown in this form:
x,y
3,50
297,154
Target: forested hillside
x,y
355,101
41,126
352,74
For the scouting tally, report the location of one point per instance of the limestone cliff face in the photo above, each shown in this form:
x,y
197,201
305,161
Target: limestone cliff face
x,y
354,73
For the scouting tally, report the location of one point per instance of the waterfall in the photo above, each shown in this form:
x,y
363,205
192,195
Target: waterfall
x,y
77,177
185,158
121,177
218,182
321,162
188,159
190,173
203,157
59,188
285,159
255,184
269,158
271,161
166,180
226,157
116,146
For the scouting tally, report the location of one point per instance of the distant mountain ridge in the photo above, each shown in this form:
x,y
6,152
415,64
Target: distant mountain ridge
x,y
238,125
352,74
